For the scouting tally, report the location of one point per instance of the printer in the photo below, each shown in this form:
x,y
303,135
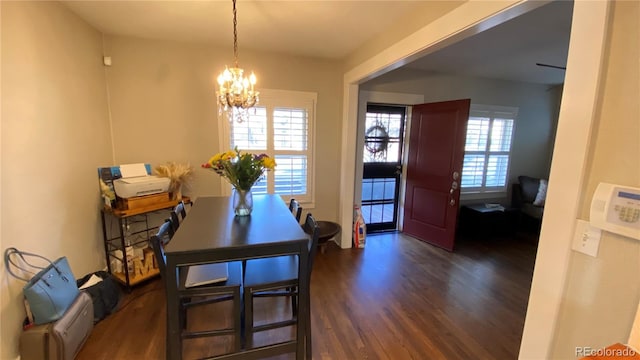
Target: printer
x,y
136,181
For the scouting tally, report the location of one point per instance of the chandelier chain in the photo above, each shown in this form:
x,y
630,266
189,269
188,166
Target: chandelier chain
x,y
235,34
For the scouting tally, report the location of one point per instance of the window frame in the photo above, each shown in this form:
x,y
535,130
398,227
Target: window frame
x,y
271,99
492,112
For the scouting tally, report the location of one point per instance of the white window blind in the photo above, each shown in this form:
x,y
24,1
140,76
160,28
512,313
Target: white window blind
x,y
487,148
282,127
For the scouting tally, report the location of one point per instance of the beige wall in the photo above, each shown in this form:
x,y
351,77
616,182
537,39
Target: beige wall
x,y
601,294
422,15
55,134
164,109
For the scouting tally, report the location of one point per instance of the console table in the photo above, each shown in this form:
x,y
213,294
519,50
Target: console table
x,y
479,220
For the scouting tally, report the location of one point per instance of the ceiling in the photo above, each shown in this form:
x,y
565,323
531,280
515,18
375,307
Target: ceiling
x,y
334,29
327,29
511,50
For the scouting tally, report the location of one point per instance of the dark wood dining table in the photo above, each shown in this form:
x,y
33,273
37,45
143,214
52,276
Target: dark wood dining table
x,y
212,233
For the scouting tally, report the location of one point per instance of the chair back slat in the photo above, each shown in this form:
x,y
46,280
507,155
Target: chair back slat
x,y
180,210
311,227
296,209
177,215
158,242
174,221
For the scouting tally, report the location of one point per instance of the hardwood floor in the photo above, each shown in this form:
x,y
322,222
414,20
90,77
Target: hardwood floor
x,y
398,298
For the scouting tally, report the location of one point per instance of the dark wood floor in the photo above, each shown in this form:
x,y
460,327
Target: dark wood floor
x,y
398,298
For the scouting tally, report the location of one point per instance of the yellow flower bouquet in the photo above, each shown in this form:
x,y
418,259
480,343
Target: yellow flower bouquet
x,y
240,169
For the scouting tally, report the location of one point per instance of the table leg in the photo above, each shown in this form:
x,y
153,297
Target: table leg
x,y
308,329
237,324
174,338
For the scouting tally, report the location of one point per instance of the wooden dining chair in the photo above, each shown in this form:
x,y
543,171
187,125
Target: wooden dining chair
x,y
277,276
296,209
206,293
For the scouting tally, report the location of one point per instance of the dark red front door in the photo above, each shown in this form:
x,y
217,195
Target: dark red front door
x,y
436,152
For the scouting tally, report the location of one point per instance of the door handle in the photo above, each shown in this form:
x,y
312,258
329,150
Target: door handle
x,y
454,187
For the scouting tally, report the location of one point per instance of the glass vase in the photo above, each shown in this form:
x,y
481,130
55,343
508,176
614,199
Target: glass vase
x,y
242,202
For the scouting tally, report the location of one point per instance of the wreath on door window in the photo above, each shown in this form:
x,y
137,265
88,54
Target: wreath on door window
x,y
377,140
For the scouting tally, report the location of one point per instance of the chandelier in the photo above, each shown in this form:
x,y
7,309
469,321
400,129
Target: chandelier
x,y
235,93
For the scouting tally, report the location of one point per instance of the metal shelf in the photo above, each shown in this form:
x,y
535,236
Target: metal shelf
x,y
120,241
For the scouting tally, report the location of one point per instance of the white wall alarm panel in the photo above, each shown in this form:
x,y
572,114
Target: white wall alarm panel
x,y
616,208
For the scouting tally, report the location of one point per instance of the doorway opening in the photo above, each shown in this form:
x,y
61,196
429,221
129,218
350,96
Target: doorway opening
x,y
382,166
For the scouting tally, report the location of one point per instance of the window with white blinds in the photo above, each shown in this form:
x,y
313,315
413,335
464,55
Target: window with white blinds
x,y
487,148
282,127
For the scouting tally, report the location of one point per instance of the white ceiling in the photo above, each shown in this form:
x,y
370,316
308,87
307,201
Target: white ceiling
x,y
327,29
511,50
334,29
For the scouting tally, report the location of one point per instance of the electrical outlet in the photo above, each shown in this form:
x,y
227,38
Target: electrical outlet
x,y
586,238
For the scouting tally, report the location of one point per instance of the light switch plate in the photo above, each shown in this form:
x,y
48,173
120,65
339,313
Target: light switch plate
x,y
586,238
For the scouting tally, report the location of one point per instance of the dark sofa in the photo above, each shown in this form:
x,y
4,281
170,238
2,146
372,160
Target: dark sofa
x,y
528,195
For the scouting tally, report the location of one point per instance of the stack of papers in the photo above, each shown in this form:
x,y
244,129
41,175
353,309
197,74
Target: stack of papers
x,y
496,207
